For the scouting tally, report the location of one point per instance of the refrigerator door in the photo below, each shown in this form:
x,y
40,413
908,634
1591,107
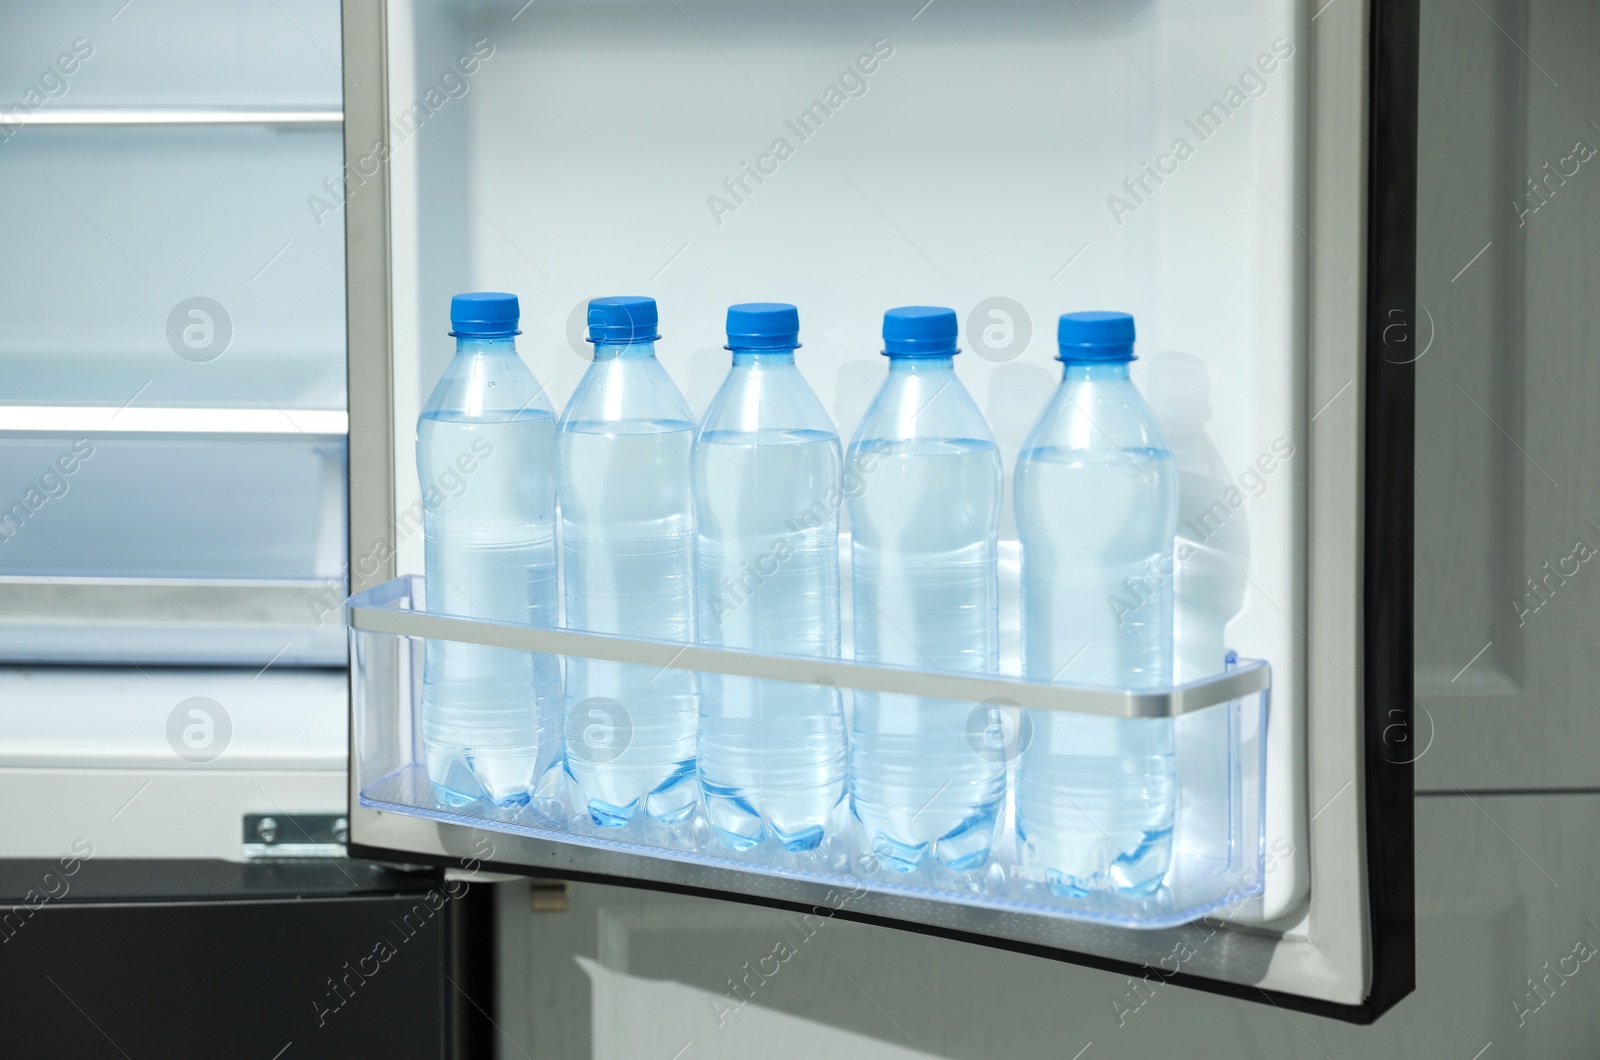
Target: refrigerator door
x,y
1242,180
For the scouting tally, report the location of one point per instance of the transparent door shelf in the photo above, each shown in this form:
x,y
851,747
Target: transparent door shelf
x,y
1219,728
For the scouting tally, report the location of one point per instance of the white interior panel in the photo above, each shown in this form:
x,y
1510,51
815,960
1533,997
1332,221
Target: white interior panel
x,y
993,151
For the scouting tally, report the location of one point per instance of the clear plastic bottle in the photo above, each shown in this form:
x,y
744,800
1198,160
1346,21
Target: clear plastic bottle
x,y
1096,503
627,541
923,479
486,458
1213,540
767,500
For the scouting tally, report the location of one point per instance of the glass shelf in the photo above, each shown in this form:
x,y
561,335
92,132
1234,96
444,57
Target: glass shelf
x,y
1219,729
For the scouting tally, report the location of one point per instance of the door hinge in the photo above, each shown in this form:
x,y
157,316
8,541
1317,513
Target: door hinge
x,y
295,835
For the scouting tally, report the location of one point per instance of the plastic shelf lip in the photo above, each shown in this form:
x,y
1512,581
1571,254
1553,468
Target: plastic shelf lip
x,y
280,116
380,610
95,419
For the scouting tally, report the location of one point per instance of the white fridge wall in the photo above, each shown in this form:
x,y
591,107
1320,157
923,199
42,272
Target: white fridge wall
x,y
985,158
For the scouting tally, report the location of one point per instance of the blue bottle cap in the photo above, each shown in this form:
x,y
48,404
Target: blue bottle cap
x,y
624,318
763,326
1095,338
484,315
920,331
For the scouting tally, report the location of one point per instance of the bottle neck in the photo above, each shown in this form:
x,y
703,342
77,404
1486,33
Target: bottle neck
x,y
1094,372
480,344
632,351
922,365
762,358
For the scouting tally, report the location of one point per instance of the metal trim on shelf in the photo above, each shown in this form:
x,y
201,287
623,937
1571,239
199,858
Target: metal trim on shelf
x,y
287,588
170,621
88,419
282,117
31,599
373,611
111,588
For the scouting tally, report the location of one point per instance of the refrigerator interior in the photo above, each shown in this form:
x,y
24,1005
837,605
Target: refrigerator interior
x,y
173,413
1014,164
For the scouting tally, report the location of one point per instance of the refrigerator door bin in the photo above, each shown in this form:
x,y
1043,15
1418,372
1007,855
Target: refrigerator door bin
x,y
1217,853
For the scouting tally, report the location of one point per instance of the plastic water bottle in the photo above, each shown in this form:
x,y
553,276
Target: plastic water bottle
x,y
486,456
1213,558
923,480
1213,539
627,539
767,501
1097,497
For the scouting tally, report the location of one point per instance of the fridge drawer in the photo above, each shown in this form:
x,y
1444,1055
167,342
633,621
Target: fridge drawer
x,y
152,537
172,506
